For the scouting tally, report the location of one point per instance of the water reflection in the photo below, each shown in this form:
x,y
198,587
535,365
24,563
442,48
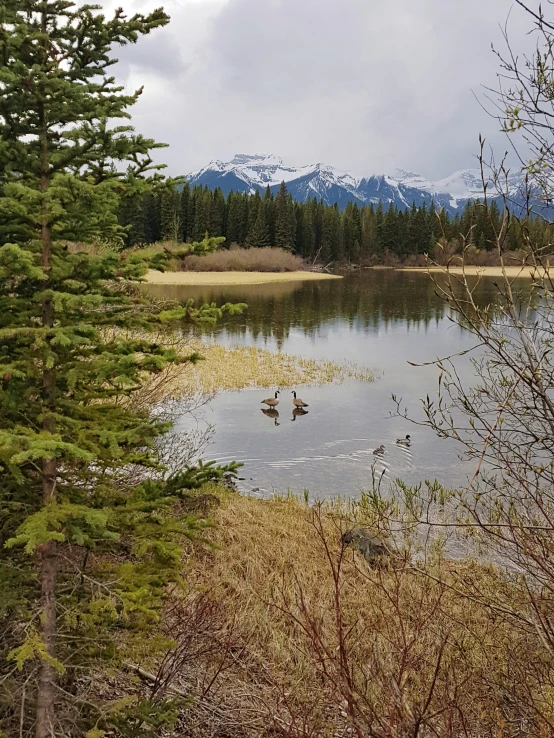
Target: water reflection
x,y
271,413
368,301
380,319
298,412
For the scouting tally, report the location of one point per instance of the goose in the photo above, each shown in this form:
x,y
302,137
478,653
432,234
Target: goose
x,y
404,441
298,411
379,451
271,401
297,402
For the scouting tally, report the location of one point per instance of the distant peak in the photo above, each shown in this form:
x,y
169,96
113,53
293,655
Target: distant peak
x,y
268,159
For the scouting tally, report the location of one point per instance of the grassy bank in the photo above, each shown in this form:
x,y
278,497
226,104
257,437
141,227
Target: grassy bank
x,y
232,278
513,272
285,632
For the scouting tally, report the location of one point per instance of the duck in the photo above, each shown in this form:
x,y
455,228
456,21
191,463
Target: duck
x,y
298,411
272,401
297,402
379,451
404,441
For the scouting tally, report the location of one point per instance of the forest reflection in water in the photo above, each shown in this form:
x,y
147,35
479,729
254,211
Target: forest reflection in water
x,y
381,319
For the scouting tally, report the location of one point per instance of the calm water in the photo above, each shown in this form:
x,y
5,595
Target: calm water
x,y
379,319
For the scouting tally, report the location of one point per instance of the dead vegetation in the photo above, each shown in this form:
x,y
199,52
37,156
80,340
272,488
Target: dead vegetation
x,y
233,259
313,641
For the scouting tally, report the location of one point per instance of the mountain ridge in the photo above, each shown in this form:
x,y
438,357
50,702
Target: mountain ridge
x,y
255,172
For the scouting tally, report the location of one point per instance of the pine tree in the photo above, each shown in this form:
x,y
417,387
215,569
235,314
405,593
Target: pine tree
x,y
86,552
131,216
217,213
259,232
285,224
152,216
254,206
184,211
331,241
269,214
169,213
202,213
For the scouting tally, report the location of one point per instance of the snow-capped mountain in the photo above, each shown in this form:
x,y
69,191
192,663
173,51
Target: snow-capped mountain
x,y
251,172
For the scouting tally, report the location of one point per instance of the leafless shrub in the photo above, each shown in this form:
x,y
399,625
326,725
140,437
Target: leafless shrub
x,y
245,260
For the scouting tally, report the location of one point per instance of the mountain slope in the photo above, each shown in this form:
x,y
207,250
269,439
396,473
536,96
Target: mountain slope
x,y
251,172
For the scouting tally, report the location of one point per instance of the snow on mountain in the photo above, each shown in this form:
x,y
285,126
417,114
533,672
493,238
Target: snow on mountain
x,y
411,179
255,172
463,184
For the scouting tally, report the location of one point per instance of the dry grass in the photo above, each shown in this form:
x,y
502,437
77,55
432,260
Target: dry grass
x,y
232,278
323,645
512,272
242,367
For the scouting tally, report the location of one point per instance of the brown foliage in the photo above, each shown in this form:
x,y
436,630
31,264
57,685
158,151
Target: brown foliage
x,y
323,644
244,260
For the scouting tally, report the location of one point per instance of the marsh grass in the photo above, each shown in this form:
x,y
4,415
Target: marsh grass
x,y
324,645
224,368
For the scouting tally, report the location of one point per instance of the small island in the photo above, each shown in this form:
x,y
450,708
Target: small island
x,y
233,278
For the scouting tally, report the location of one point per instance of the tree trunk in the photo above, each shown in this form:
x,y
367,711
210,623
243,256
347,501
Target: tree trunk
x,y
47,675
46,695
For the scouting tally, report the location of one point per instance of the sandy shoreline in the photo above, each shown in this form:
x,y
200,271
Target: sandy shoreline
x,y
223,278
485,271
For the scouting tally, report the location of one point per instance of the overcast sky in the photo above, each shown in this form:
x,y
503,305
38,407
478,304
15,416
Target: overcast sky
x,y
363,85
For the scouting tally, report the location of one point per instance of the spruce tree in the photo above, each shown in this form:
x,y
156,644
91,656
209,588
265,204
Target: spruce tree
x,y
217,213
234,218
259,234
285,224
151,205
169,213
184,211
86,550
202,213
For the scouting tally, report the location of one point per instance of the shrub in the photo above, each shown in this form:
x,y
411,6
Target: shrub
x,y
244,260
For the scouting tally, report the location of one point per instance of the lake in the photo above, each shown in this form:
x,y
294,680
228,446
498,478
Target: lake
x,y
380,319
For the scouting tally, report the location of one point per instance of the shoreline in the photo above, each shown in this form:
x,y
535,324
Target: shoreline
x,y
512,272
192,279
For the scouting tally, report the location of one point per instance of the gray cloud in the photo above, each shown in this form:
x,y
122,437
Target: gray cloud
x,y
363,85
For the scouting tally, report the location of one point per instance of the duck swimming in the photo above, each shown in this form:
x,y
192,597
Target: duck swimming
x,y
404,441
379,451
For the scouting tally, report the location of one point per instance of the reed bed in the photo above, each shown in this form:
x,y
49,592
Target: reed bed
x,y
243,367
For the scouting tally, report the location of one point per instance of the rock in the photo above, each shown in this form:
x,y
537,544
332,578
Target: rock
x,y
372,546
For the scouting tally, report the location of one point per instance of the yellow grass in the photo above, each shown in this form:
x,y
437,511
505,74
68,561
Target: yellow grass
x,y
242,367
272,569
224,278
512,272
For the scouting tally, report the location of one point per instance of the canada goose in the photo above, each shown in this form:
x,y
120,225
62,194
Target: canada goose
x,y
297,402
298,411
404,441
379,451
271,401
271,413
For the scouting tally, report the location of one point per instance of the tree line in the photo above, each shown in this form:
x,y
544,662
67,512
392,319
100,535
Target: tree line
x,y
312,229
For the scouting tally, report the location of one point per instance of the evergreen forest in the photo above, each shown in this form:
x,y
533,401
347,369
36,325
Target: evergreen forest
x,y
313,230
